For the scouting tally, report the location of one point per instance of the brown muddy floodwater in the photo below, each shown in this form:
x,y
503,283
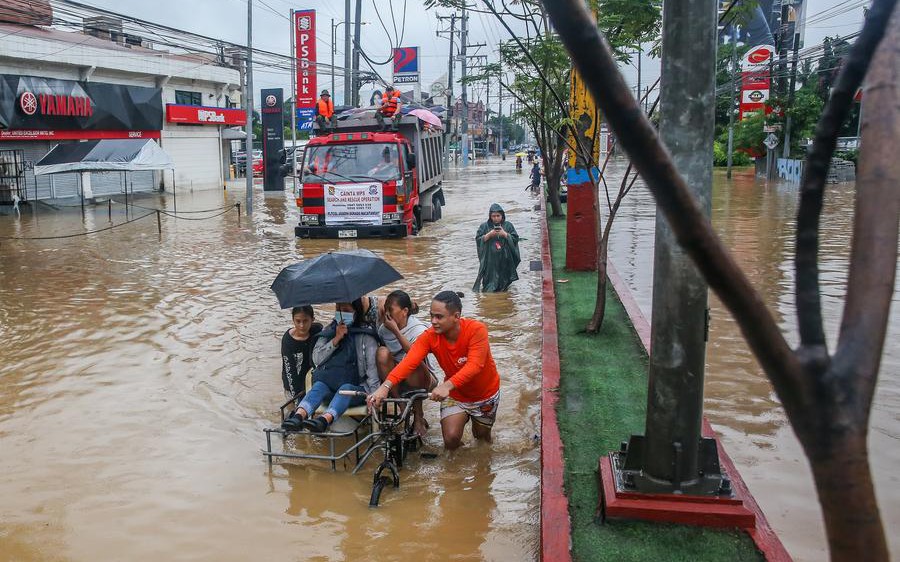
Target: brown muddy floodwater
x,y
137,372
757,221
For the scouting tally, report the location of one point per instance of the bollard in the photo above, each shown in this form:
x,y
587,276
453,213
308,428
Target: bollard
x,y
158,222
239,214
109,208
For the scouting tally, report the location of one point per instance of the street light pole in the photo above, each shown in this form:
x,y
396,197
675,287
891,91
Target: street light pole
x,y
333,37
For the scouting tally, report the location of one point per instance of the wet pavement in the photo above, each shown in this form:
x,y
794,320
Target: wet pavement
x,y
138,371
757,221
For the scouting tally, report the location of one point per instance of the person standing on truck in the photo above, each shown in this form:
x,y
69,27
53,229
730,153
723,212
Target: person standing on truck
x,y
498,252
390,108
386,168
471,387
325,113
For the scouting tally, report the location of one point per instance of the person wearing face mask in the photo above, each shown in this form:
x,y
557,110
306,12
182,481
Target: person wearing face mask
x,y
344,359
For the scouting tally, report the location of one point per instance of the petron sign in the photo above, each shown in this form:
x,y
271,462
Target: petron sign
x,y
202,115
31,103
406,65
305,45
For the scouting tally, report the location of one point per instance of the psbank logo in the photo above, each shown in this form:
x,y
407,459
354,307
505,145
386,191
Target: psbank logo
x,y
304,23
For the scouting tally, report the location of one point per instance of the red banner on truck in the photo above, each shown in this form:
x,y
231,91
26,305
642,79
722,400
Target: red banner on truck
x,y
305,45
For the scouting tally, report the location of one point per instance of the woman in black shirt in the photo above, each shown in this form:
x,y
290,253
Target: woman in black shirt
x,y
296,350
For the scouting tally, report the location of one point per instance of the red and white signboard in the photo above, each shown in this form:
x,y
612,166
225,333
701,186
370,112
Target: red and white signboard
x,y
305,45
201,115
40,134
755,79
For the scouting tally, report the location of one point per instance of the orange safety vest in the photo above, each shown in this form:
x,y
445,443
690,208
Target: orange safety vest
x,y
389,104
326,108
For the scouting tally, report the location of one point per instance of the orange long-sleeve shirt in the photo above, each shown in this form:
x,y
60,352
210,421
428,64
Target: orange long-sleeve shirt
x,y
467,363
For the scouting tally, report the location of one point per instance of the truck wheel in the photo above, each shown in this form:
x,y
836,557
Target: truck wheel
x,y
435,208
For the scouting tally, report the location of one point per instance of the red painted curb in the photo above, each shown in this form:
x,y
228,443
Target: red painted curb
x,y
762,534
556,538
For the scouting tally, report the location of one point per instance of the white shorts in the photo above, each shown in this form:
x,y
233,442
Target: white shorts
x,y
483,412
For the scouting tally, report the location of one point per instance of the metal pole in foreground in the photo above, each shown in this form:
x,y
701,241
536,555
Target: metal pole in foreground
x,y
333,39
671,456
294,102
248,99
356,46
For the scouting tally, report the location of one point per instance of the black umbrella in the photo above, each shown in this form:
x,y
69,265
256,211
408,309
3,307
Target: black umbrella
x,y
332,277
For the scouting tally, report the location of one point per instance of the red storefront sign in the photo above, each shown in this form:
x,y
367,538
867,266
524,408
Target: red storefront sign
x,y
38,134
305,45
201,115
755,80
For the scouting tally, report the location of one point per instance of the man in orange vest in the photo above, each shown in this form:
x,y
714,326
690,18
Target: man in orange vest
x,y
325,113
390,108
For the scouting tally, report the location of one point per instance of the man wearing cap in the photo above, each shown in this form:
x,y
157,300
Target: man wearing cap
x,y
325,113
390,108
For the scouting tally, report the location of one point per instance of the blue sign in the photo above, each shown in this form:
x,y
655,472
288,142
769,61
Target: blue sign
x,y
305,118
406,60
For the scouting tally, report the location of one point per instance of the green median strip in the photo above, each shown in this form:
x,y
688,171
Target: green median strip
x,y
603,399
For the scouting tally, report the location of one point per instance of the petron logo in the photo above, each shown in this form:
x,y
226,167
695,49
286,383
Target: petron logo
x,y
270,101
61,105
28,102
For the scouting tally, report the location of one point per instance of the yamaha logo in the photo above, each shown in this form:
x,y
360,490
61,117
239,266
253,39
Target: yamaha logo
x,y
304,23
270,101
29,103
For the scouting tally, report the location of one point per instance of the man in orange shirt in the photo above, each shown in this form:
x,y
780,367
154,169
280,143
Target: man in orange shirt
x,y
471,387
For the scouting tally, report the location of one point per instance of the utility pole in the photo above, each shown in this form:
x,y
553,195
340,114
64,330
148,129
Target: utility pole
x,y
248,157
500,109
639,75
451,59
672,456
792,17
294,100
347,79
731,98
464,136
356,29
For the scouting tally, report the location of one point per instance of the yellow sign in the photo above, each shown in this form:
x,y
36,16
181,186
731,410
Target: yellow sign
x,y
586,119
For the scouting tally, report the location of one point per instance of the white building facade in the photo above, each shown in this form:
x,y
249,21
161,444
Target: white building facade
x,y
62,87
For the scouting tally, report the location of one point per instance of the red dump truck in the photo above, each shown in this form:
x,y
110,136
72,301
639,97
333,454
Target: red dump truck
x,y
358,182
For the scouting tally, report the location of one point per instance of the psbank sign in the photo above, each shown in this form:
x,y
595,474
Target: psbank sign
x,y
305,54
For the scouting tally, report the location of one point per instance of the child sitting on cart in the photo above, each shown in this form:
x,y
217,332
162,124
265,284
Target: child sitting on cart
x,y
344,359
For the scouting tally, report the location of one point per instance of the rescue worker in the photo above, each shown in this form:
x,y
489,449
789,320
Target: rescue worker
x,y
390,108
325,113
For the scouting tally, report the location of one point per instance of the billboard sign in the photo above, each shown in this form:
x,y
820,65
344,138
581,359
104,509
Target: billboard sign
x,y
406,65
305,53
273,138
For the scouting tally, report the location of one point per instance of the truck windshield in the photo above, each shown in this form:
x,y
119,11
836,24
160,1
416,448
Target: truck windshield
x,y
351,162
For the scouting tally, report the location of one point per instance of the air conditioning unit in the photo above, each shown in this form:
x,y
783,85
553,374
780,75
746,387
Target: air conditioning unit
x,y
105,27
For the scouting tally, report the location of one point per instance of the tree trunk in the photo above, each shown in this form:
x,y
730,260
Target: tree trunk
x,y
847,495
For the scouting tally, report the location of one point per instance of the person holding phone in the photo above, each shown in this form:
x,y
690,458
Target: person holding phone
x,y
497,243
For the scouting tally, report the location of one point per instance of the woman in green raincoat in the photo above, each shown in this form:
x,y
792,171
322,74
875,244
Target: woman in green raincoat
x,y
498,252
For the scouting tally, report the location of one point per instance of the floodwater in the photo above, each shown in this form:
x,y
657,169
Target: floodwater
x,y
138,370
757,221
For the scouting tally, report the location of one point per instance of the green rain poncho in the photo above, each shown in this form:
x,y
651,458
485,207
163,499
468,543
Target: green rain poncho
x,y
498,257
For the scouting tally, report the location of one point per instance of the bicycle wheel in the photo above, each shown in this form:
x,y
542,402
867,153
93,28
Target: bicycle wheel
x,y
377,488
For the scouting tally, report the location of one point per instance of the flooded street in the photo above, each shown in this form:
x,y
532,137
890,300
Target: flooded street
x,y
756,222
138,371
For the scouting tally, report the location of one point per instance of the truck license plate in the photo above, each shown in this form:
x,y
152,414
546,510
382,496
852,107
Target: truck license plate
x,y
347,233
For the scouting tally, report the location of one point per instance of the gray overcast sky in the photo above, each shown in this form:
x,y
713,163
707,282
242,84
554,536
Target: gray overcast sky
x,y
226,19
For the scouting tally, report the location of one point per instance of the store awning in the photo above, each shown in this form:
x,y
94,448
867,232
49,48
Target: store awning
x,y
232,133
105,155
